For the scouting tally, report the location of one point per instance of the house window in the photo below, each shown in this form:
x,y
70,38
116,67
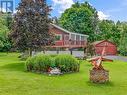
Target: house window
x,y
58,37
77,38
83,38
72,36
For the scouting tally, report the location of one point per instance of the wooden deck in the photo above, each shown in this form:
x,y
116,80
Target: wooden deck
x,y
70,44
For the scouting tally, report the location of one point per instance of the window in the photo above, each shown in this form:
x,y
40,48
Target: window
x,y
83,38
58,37
72,36
77,38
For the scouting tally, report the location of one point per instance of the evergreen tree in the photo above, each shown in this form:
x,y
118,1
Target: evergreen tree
x,y
31,25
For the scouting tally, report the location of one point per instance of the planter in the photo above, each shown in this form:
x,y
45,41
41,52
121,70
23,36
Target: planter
x,y
99,76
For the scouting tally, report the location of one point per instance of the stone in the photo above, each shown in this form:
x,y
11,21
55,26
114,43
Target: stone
x,y
55,71
99,76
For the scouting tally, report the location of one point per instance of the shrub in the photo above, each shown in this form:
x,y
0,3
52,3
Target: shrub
x,y
53,55
67,63
39,63
30,63
43,63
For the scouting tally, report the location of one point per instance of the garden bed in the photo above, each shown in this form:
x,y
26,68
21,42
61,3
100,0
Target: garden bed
x,y
57,65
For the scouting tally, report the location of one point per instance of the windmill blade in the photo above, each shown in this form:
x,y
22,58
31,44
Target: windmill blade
x,y
105,59
103,52
93,59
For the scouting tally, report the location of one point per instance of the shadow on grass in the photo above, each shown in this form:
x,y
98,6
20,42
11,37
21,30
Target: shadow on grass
x,y
107,84
14,67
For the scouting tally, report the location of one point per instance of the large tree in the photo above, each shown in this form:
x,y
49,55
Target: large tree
x,y
105,27
123,40
5,44
110,30
81,18
31,25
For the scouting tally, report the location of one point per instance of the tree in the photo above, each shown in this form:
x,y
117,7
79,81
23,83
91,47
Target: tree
x,y
81,18
31,26
105,27
110,31
116,33
123,40
9,20
5,44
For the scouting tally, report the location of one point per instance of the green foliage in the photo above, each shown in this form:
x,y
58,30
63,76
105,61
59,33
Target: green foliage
x,y
123,40
80,18
105,27
67,63
5,43
39,63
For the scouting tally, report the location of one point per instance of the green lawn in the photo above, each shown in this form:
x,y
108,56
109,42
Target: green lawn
x,y
15,81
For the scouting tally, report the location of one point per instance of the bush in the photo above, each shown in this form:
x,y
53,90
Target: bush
x,y
123,52
43,63
39,63
67,63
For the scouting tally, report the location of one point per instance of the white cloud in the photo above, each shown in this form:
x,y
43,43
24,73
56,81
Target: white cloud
x,y
102,16
63,4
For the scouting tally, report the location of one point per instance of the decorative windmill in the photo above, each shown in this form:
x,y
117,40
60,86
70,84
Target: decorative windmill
x,y
97,61
98,74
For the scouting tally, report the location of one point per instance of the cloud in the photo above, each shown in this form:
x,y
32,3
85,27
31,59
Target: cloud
x,y
102,16
63,5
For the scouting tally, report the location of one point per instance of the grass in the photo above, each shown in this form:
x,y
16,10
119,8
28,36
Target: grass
x,y
14,80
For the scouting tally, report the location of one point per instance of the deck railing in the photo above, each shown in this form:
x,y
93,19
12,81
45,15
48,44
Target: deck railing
x,y
70,43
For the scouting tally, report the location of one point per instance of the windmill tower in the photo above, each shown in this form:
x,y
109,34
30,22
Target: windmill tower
x,y
98,74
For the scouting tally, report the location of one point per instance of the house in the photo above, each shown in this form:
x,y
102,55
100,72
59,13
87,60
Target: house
x,y
66,39
110,48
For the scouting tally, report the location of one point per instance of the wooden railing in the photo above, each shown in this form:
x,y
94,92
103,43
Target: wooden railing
x,y
70,43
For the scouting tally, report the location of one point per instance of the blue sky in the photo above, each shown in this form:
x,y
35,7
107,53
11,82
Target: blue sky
x,y
107,9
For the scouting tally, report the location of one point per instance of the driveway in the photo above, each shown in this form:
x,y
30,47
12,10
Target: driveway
x,y
81,54
121,58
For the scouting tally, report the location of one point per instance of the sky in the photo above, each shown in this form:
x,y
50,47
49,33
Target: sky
x,y
107,9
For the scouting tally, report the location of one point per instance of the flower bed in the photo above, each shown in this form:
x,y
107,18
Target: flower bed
x,y
45,63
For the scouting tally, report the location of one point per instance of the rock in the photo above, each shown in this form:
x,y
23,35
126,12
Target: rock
x,y
55,71
99,76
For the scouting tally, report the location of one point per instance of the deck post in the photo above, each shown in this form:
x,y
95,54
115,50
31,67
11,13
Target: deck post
x,y
57,50
71,51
